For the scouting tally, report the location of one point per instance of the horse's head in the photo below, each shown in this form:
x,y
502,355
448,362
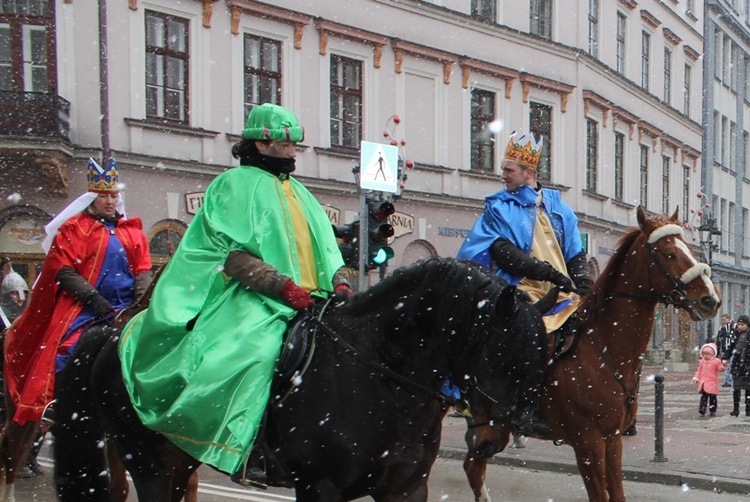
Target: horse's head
x,y
516,331
674,274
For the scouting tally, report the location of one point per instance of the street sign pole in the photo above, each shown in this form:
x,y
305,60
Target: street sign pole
x,y
363,240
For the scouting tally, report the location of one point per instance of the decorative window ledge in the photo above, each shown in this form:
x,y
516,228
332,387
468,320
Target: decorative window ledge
x,y
171,128
593,195
622,204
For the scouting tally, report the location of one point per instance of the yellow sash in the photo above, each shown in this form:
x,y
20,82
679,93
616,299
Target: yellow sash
x,y
306,259
546,248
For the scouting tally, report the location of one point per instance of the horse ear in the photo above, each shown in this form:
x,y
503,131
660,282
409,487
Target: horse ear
x,y
505,300
642,218
676,216
549,301
645,223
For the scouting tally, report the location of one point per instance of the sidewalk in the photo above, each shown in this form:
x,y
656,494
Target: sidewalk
x,y
707,453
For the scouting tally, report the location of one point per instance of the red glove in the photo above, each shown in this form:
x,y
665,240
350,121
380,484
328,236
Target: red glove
x,y
342,293
297,297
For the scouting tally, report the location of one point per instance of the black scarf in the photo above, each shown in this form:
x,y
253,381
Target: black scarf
x,y
278,166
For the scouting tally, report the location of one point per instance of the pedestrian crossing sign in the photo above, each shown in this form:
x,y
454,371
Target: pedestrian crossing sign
x,y
379,167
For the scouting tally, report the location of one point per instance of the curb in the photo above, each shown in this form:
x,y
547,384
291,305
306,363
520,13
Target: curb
x,y
694,481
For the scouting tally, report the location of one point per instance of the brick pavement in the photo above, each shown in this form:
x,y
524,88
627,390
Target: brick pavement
x,y
708,453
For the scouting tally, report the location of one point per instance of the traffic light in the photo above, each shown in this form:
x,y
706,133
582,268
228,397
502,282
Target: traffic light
x,y
349,245
379,231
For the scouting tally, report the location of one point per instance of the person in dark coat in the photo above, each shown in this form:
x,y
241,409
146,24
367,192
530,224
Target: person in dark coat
x,y
723,339
739,352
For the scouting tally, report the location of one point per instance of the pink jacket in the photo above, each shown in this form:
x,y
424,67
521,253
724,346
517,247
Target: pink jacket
x,y
707,375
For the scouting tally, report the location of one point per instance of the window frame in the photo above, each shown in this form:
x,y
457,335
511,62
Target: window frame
x,y
643,169
621,40
544,167
646,60
668,53
166,54
484,9
685,192
619,165
665,182
592,155
261,72
687,89
483,153
341,91
540,18
17,25
594,28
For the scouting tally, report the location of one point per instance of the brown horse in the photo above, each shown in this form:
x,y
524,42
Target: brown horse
x,y
16,440
589,394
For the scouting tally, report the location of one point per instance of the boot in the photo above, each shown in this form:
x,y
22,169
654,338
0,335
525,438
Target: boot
x,y
528,424
736,398
747,403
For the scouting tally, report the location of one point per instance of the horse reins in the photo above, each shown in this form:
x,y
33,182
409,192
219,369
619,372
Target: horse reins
x,y
675,297
407,382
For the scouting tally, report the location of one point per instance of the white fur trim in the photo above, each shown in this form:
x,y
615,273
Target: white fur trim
x,y
664,232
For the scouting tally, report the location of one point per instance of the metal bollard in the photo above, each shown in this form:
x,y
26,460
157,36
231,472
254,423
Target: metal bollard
x,y
659,420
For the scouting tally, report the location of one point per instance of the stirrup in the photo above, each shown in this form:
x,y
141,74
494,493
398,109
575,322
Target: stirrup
x,y
241,477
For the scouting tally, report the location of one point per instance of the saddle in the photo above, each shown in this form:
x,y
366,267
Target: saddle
x,y
562,340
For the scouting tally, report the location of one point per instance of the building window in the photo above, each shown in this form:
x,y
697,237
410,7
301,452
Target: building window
x,y
540,118
734,67
262,72
644,177
685,192
718,45
592,154
164,239
645,60
687,89
668,75
483,9
541,18
621,30
346,102
594,28
27,46
665,184
482,141
619,164
167,67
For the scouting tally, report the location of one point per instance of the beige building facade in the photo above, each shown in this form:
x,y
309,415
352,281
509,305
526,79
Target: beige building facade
x,y
614,87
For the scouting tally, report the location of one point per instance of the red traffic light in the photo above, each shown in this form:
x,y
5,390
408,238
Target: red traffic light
x,y
381,210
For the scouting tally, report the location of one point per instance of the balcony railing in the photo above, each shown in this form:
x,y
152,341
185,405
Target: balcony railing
x,y
34,114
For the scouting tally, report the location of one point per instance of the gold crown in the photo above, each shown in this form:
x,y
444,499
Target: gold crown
x,y
102,180
524,149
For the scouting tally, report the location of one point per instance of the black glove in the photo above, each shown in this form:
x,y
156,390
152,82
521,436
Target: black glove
x,y
100,305
584,286
561,280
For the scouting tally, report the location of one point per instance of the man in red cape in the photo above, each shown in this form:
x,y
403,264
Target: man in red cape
x,y
97,262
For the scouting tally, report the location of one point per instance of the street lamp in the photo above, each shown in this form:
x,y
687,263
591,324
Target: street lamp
x,y
709,235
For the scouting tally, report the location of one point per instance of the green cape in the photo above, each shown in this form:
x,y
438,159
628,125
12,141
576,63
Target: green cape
x,y
206,389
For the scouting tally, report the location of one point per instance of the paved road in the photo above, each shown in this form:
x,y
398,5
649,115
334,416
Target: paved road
x,y
704,455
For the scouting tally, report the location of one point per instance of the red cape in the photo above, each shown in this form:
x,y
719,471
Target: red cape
x,y
31,342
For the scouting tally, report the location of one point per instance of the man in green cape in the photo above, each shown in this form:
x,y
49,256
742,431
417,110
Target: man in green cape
x,y
198,362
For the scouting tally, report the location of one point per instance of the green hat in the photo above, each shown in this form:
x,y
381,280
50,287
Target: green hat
x,y
268,121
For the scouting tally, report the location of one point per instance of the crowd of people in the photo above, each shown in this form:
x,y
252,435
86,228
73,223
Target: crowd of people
x,y
728,354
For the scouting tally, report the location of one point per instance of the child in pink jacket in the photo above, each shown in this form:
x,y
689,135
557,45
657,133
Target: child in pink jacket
x,y
707,378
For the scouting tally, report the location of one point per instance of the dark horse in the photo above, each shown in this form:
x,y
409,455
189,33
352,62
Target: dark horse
x,y
590,393
366,416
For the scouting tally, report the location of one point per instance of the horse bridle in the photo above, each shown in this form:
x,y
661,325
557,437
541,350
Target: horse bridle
x,y
678,295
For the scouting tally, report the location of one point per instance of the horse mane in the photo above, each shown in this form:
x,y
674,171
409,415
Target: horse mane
x,y
399,296
594,303
465,275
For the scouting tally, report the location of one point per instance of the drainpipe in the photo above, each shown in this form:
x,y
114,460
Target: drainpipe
x,y
103,80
